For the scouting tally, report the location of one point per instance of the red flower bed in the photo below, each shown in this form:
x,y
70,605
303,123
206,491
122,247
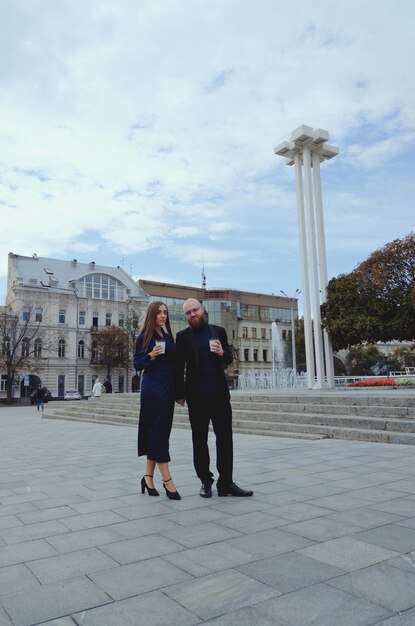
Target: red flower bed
x,y
387,382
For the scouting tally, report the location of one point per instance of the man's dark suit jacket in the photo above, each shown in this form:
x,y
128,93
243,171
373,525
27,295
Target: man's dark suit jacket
x,y
187,378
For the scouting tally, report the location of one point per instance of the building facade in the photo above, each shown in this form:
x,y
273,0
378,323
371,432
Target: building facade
x,y
69,301
246,316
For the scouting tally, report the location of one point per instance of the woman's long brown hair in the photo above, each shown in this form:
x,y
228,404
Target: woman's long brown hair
x,y
149,325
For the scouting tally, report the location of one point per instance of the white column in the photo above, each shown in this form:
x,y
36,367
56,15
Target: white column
x,y
315,291
308,333
321,243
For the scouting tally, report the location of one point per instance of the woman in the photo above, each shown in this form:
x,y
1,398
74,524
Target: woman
x,y
154,354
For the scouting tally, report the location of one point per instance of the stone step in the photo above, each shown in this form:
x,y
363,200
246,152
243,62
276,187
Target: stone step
x,y
380,418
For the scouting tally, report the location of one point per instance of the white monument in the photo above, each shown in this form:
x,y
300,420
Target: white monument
x,y
306,149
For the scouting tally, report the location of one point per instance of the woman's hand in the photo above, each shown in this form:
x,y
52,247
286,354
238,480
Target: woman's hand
x,y
156,351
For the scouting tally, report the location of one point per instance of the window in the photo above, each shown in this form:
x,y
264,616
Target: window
x,y
81,349
284,335
3,383
121,320
61,385
95,316
62,316
25,347
39,314
263,333
233,334
253,333
121,380
82,318
245,332
108,319
246,354
5,346
265,355
255,354
37,349
26,314
94,352
61,348
102,287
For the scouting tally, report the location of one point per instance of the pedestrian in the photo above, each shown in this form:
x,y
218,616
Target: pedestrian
x,y
107,385
202,354
97,389
40,398
154,356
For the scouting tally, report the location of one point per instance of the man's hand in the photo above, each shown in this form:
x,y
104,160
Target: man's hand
x,y
216,347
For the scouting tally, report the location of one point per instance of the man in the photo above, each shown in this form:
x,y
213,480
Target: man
x,y
203,351
107,384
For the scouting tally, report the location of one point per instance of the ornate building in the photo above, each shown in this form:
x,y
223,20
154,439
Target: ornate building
x,y
69,301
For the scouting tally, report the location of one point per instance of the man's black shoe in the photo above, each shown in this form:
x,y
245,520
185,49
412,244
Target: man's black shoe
x,y
234,490
206,490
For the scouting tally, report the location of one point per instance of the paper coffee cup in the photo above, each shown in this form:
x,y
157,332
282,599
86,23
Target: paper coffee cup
x,y
212,342
163,346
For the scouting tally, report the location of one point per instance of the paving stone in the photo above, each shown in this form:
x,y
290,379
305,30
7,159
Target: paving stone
x,y
392,536
214,557
27,551
252,522
399,506
381,584
83,539
347,553
321,605
299,511
28,532
270,542
243,617
151,609
4,618
14,509
215,594
407,618
289,572
200,534
45,515
9,521
92,520
137,578
16,578
321,529
72,565
52,601
365,517
141,527
132,550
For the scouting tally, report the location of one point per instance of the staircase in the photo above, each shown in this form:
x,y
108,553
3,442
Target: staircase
x,y
381,416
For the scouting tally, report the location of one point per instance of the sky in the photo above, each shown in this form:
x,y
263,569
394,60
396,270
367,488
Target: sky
x,y
141,134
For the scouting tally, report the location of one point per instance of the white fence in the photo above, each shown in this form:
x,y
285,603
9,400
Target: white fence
x,y
280,378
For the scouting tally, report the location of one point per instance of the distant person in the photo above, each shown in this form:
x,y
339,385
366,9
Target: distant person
x,y
97,389
107,385
154,356
202,353
40,398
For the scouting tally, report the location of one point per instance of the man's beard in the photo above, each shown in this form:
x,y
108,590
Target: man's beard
x,y
197,322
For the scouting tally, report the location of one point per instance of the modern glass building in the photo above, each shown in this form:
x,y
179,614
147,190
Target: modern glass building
x,y
246,316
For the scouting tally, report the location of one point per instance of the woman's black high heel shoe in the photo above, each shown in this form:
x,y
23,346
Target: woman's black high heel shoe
x,y
144,486
172,495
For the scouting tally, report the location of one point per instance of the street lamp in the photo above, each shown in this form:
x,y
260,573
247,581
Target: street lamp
x,y
292,300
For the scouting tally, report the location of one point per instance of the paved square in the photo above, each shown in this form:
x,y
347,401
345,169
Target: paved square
x,y
328,538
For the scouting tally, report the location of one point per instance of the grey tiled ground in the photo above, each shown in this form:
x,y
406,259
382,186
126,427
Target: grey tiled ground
x,y
328,538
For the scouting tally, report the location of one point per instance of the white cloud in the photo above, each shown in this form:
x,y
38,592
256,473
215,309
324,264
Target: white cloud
x,y
132,128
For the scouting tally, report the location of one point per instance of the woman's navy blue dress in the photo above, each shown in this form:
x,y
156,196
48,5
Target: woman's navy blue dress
x,y
156,398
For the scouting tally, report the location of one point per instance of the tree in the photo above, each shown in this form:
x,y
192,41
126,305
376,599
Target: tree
x,y
111,347
19,350
376,301
362,360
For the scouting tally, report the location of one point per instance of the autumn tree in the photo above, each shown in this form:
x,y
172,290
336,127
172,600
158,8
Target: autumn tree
x,y
111,347
21,345
376,301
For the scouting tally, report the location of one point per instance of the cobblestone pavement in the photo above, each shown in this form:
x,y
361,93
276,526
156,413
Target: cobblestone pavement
x,y
327,540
